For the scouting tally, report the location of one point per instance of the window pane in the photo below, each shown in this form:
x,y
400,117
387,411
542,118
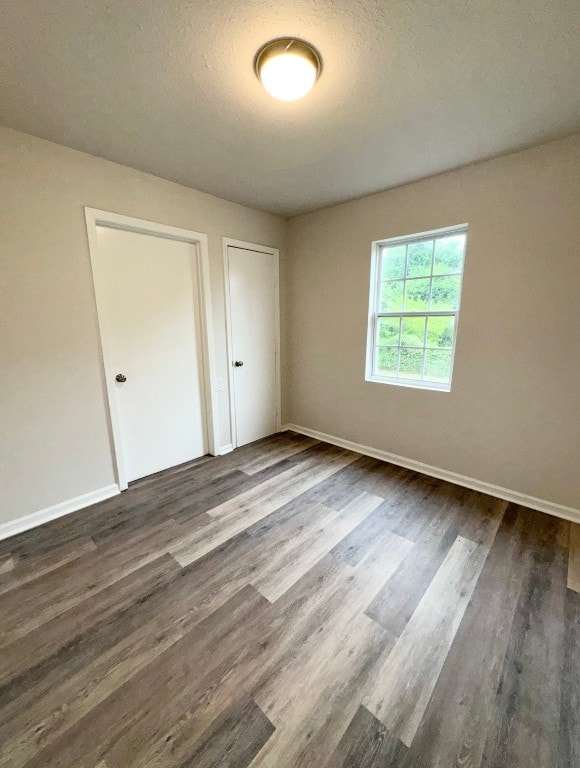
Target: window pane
x,y
387,361
445,293
419,259
419,284
448,254
417,294
393,262
388,331
411,363
413,331
437,365
392,296
440,331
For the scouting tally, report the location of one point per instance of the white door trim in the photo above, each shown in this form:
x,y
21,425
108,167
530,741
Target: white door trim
x,y
95,217
228,241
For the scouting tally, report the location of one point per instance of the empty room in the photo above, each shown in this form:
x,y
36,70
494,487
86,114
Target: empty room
x,y
290,384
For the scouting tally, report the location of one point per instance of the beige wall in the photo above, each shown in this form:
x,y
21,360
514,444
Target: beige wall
x,y
54,442
512,417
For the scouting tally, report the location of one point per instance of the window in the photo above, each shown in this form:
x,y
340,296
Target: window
x,y
414,305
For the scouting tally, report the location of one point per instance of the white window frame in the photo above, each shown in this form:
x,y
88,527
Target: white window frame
x,y
375,313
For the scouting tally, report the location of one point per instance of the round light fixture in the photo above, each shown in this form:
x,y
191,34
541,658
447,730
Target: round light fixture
x,y
288,68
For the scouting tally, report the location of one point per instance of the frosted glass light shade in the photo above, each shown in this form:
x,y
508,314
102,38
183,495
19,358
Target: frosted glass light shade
x,y
288,68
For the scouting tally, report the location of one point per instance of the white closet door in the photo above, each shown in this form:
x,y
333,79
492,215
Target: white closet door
x,y
151,302
253,307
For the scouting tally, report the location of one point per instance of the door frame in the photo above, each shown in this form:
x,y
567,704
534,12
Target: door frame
x,y
94,218
275,253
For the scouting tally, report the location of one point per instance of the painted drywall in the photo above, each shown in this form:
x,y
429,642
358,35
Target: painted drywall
x,y
55,442
408,88
512,417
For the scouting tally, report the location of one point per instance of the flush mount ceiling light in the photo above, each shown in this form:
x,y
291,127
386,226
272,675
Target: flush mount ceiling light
x,y
288,68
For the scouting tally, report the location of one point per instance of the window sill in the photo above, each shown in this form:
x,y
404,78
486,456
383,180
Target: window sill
x,y
433,386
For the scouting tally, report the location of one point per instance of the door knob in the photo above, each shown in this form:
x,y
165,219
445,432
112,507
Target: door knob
x,y
238,363
120,377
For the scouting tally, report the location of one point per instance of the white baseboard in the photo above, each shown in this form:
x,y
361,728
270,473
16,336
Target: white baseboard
x,y
550,507
226,449
12,527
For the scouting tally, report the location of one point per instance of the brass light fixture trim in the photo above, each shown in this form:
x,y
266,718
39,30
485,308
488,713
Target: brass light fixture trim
x,y
287,45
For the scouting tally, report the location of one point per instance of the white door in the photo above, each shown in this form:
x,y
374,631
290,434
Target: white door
x,y
151,304
253,287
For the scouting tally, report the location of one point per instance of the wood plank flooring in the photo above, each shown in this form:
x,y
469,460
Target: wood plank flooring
x,y
292,605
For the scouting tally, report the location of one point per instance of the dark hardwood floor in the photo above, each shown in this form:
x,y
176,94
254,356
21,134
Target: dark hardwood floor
x,y
292,604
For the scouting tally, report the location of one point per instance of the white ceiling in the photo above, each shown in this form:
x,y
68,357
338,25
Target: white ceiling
x,y
409,88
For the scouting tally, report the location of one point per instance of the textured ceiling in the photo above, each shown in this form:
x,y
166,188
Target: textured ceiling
x,y
409,88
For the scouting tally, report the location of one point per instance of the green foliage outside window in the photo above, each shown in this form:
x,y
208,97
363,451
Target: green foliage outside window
x,y
420,277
